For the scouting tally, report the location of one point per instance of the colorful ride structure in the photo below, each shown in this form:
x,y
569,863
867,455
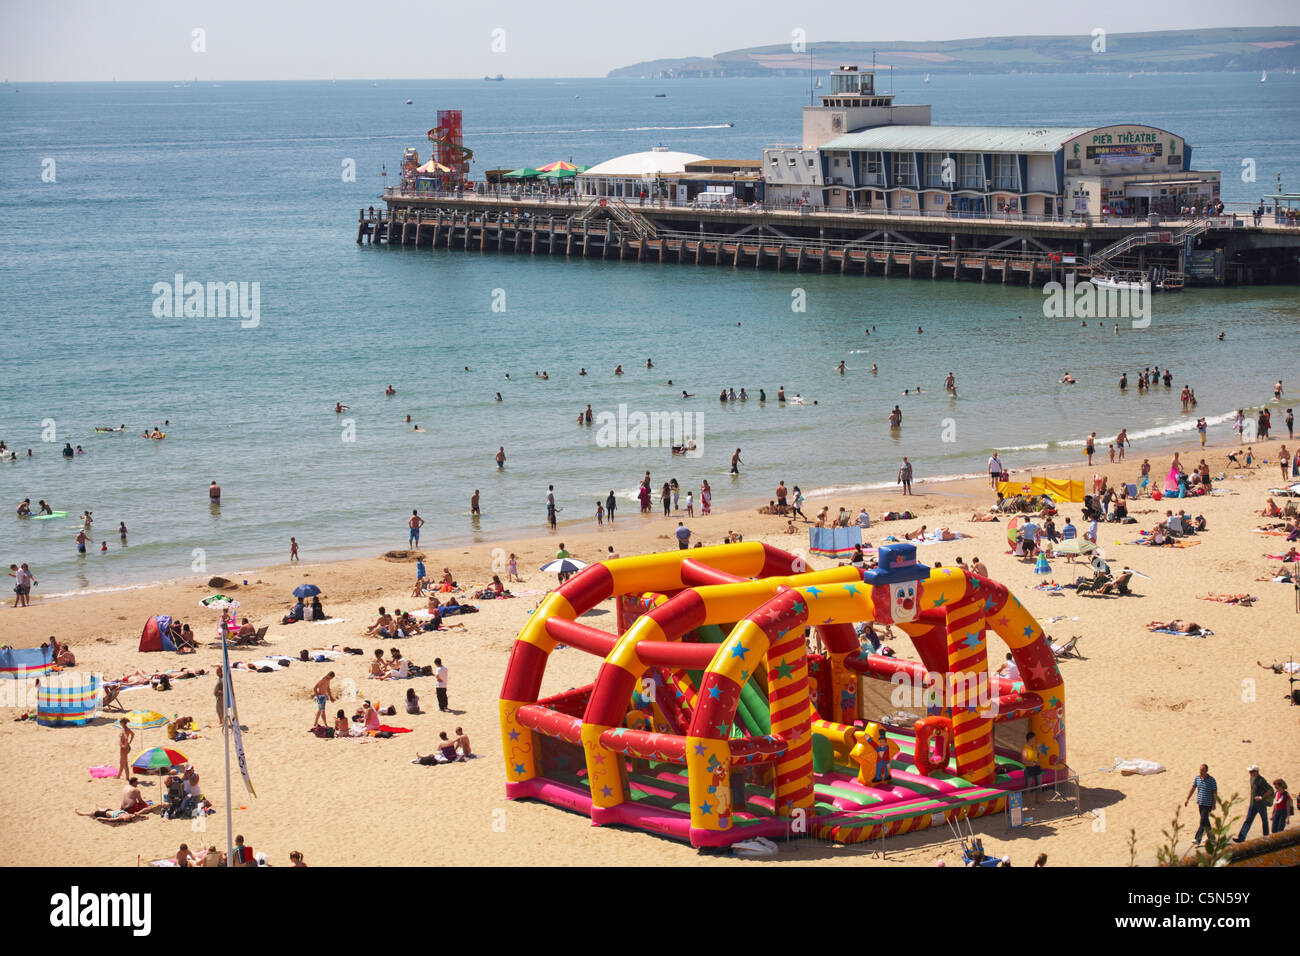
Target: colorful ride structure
x,y
449,149
710,721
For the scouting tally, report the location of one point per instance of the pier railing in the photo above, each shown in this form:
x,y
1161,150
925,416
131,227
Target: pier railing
x,y
1230,219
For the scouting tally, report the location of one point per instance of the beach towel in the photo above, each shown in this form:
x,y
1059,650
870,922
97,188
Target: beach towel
x,y
1048,587
331,620
1203,632
1129,767
102,771
393,730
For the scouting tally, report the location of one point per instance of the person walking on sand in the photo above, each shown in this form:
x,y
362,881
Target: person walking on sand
x,y
414,526
124,739
293,550
905,476
1261,801
1206,789
323,695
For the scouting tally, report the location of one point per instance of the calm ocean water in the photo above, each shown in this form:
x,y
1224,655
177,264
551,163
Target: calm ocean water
x,y
242,182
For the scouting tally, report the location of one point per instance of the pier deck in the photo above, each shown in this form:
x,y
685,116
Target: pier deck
x,y
1216,251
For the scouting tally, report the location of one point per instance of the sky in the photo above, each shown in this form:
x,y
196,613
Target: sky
x,y
94,40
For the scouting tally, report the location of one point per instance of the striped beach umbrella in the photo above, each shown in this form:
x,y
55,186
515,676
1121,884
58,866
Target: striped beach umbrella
x,y
159,760
559,165
144,719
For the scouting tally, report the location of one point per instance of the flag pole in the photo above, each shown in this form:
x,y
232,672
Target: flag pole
x,y
225,733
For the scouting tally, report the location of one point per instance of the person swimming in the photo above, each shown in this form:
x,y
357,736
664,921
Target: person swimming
x,y
390,390
339,408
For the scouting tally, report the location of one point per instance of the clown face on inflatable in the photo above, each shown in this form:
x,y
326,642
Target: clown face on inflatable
x,y
896,582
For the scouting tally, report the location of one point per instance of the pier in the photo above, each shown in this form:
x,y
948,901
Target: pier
x,y
1225,250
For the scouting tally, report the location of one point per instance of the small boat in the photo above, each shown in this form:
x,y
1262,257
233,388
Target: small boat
x,y
1263,77
660,96
494,79
408,102
731,124
1115,282
927,78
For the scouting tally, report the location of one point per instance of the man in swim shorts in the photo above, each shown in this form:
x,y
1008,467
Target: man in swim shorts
x,y
415,524
324,695
214,493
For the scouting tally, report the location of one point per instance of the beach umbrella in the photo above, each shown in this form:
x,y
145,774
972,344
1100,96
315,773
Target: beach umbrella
x,y
525,173
559,174
432,166
563,566
1041,566
306,591
219,602
558,166
144,719
1077,546
159,760
1012,526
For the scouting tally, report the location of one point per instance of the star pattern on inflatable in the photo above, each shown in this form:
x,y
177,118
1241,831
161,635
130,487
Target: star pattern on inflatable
x,y
1004,620
972,639
799,607
851,589
706,808
740,650
519,769
784,670
715,692
699,750
813,591
940,601
829,620
514,734
605,791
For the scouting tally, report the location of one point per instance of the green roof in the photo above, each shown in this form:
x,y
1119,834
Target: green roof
x,y
959,139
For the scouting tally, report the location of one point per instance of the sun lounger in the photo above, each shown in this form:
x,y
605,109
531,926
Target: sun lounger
x,y
1118,586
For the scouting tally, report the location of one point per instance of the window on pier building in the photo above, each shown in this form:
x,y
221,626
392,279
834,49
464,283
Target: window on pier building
x,y
869,167
934,169
971,171
1004,171
904,173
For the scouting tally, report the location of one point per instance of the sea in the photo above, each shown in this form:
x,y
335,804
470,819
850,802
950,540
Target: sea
x,y
110,191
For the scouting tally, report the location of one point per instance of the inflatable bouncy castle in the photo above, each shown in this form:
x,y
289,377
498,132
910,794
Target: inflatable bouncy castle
x,y
710,721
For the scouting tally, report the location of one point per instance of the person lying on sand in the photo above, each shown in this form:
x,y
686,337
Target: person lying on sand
x,y
987,516
113,817
917,535
1283,667
1245,600
1179,625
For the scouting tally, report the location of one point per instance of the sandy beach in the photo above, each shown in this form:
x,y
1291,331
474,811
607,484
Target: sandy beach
x,y
1174,699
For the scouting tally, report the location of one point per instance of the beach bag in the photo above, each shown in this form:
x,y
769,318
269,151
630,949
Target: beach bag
x,y
321,731
302,654
383,733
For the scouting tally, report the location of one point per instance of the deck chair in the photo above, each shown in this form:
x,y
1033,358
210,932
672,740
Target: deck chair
x,y
110,701
1092,585
260,636
1119,586
1069,648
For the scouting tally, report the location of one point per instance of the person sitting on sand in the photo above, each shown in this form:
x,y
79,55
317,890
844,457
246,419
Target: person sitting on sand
x,y
377,668
1271,510
66,657
132,800
341,726
412,702
382,627
462,743
790,528
398,668
447,747
369,716
421,587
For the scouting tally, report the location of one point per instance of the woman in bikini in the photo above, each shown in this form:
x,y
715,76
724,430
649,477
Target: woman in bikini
x,y
124,740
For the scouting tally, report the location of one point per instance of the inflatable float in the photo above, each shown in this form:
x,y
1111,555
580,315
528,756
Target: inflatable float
x,y
709,721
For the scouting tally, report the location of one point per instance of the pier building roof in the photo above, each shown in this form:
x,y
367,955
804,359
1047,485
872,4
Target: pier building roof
x,y
650,163
969,139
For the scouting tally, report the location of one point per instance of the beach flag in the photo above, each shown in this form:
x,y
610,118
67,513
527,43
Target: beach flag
x,y
68,702
232,714
25,662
